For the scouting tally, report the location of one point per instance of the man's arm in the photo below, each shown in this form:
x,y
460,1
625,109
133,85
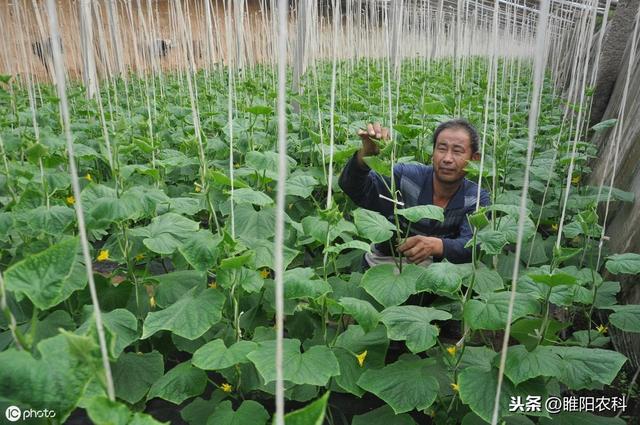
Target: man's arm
x,y
364,186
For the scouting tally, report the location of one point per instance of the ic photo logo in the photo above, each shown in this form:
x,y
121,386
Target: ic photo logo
x,y
13,413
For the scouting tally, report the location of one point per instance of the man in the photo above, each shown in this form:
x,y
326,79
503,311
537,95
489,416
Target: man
x,y
443,184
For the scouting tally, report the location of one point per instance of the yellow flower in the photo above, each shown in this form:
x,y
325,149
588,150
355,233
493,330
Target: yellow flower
x,y
264,273
139,257
554,227
152,302
452,350
576,179
361,358
71,200
455,387
88,177
227,388
602,329
213,284
104,255
198,188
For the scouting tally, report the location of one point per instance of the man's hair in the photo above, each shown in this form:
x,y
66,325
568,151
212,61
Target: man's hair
x,y
459,123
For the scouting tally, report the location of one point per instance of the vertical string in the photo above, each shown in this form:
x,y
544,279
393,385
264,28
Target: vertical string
x,y
64,109
280,205
538,76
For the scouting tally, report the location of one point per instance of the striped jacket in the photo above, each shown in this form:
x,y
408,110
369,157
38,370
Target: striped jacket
x,y
415,182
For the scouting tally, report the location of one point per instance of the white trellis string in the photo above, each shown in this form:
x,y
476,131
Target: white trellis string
x,y
335,23
538,78
280,206
64,108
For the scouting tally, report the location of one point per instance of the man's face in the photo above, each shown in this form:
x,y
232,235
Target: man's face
x,y
451,153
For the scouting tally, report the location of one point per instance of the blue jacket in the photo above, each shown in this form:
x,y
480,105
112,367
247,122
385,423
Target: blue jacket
x,y
415,182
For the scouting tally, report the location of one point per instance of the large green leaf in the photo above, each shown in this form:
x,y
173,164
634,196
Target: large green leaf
x,y
628,263
440,277
190,317
312,414
588,367
487,281
413,324
477,386
523,365
200,249
365,314
166,233
301,185
404,385
352,342
103,411
134,373
250,196
490,312
383,416
388,287
508,225
214,355
301,283
421,212
249,412
491,241
48,277
625,317
50,220
180,383
314,367
252,225
121,328
372,225
56,380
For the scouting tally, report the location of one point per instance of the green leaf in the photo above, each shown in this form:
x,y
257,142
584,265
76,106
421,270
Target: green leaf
x,y
373,226
166,233
626,317
103,411
365,314
301,283
337,249
250,280
378,165
523,365
190,317
134,373
249,412
252,225
197,412
55,381
487,281
627,263
527,331
398,386
601,126
389,288
421,212
553,279
312,414
247,257
491,241
588,367
413,325
490,312
250,196
121,326
221,179
52,221
180,383
48,277
301,186
383,416
200,250
440,277
214,355
478,390
508,225
260,110
314,367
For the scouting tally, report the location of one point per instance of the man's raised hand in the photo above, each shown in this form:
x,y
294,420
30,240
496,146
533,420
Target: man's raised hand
x,y
369,136
419,248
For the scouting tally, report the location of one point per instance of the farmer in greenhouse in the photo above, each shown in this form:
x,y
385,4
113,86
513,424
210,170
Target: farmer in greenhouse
x,y
442,184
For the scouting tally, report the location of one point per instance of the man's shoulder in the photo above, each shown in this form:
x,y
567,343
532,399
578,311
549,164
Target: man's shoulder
x,y
414,170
